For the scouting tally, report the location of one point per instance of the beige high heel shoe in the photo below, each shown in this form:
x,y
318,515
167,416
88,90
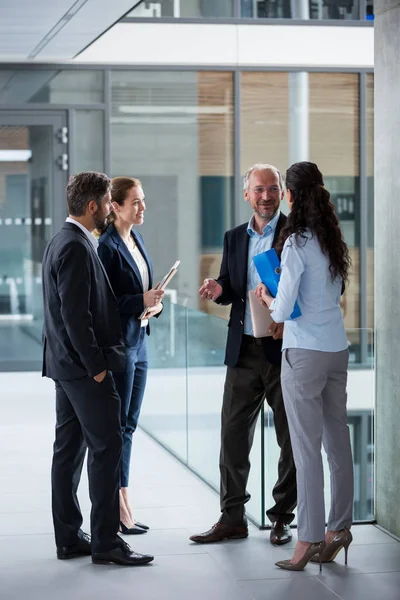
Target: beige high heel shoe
x,y
341,540
313,550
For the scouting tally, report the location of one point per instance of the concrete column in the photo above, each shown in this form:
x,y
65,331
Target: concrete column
x,y
298,117
387,253
298,100
300,9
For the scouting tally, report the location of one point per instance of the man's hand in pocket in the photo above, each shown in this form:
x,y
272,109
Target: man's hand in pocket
x,y
99,378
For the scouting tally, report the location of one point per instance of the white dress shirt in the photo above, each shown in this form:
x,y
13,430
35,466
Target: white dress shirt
x,y
89,235
306,277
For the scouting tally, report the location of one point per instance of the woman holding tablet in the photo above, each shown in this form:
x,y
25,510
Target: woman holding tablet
x,y
130,272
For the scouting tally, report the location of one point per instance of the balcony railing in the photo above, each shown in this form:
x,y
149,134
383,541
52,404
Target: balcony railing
x,y
182,405
299,10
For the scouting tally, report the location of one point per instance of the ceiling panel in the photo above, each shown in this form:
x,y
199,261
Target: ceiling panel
x,y
54,29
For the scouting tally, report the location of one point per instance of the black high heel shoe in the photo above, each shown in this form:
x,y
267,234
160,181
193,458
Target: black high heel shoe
x,y
135,530
142,526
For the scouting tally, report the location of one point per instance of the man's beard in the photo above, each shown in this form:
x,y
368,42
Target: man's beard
x,y
99,219
267,214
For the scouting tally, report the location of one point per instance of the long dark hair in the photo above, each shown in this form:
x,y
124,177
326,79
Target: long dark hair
x,y
312,209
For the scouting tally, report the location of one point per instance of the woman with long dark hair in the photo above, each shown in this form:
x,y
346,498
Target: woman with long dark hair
x,y
129,269
315,265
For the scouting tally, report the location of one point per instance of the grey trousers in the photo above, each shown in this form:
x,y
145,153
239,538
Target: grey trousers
x,y
314,392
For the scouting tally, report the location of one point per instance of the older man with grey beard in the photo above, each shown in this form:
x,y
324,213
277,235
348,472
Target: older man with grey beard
x,y
253,367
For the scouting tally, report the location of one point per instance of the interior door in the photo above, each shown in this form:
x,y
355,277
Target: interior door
x,y
33,175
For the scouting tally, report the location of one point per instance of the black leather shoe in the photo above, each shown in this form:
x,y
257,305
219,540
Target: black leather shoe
x,y
81,548
280,533
122,555
135,530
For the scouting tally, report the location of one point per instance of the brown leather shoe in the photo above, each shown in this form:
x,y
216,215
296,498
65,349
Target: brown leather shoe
x,y
280,533
219,532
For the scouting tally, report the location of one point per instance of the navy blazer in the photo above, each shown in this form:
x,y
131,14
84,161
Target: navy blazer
x,y
233,279
125,279
82,331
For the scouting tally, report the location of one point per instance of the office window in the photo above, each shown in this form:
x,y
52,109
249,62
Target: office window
x,y
370,198
288,117
264,116
334,146
50,86
88,153
184,8
301,9
174,130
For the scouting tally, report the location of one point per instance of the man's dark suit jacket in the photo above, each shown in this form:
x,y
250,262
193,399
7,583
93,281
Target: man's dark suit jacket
x,y
233,279
125,279
82,331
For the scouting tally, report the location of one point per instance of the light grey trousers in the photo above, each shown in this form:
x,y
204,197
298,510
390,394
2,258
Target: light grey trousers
x,y
314,393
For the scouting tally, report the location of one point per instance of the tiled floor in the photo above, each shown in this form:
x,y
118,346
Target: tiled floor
x,y
174,503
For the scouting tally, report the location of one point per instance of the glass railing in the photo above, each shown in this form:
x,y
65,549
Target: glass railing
x,y
182,406
181,9
338,10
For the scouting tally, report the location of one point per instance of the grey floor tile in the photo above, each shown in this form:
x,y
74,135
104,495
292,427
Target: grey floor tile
x,y
164,542
367,558
376,586
193,517
26,523
175,504
22,548
179,495
25,548
369,534
178,577
22,502
254,558
294,587
14,483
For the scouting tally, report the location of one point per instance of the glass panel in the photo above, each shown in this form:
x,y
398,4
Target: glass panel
x,y
334,146
52,87
301,9
174,131
184,8
370,197
89,141
254,507
361,408
164,410
186,351
264,115
26,158
205,385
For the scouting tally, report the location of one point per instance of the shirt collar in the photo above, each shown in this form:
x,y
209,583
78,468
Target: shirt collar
x,y
89,235
267,230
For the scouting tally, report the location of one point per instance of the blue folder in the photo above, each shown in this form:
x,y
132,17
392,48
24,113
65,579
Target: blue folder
x,y
269,269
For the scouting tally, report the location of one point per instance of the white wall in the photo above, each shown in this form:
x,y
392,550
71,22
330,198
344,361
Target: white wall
x,y
228,45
